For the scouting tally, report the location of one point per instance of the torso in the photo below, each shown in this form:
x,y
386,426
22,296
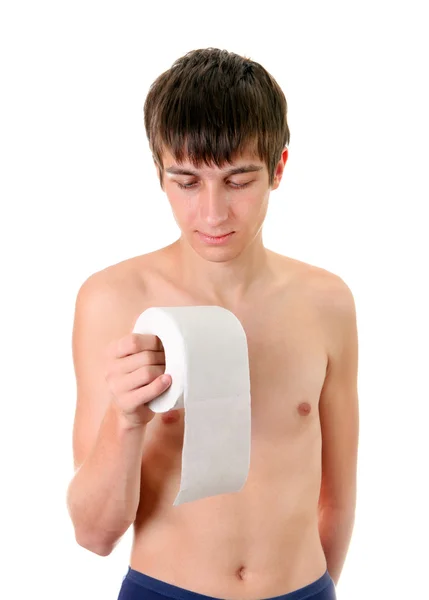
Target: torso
x,y
263,541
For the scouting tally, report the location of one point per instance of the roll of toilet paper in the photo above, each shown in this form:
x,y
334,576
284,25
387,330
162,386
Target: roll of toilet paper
x,y
206,354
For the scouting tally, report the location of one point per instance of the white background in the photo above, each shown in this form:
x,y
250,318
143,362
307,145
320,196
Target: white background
x,y
79,192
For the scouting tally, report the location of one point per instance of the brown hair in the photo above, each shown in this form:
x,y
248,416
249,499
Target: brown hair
x,y
213,104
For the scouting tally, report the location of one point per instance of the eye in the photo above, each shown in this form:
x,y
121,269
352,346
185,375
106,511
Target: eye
x,y
240,185
187,186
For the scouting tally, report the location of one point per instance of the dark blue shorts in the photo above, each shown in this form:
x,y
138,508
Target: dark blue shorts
x,y
138,586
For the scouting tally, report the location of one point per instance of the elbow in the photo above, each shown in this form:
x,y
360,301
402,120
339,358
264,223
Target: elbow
x,y
99,547
103,550
101,539
98,543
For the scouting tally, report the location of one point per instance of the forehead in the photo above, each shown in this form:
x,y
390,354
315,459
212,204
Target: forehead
x,y
245,158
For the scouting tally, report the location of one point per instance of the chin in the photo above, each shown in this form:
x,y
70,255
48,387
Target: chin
x,y
217,255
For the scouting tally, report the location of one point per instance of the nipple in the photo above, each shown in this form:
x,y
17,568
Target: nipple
x,y
172,416
304,408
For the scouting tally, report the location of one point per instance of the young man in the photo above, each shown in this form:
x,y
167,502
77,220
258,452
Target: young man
x,y
217,128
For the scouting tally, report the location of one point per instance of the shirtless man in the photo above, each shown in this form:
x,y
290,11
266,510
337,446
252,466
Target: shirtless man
x,y
287,532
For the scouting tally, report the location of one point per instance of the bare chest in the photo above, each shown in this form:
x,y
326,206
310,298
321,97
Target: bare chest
x,y
287,358
218,535
287,361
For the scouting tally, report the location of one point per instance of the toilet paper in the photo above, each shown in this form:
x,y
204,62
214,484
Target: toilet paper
x,y
206,354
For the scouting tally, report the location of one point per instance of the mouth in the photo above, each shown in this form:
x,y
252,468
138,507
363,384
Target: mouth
x,y
215,236
215,239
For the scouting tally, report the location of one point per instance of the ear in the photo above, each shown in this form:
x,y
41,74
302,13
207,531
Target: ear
x,y
279,169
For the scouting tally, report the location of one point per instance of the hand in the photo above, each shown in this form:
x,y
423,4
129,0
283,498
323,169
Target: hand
x,y
134,367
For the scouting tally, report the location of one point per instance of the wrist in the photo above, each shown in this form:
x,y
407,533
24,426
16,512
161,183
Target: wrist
x,y
126,422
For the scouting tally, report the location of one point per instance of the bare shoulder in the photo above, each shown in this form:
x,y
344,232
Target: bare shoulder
x,y
121,278
333,295
137,270
337,310
323,284
332,300
330,295
111,298
105,307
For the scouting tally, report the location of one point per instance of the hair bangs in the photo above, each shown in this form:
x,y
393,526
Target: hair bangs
x,y
211,107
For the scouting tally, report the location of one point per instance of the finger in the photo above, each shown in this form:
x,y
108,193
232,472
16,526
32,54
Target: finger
x,y
128,364
149,392
143,377
136,342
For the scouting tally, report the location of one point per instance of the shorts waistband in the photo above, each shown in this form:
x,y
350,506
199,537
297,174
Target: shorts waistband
x,y
178,593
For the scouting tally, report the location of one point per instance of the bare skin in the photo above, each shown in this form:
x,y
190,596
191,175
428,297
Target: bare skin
x,y
262,541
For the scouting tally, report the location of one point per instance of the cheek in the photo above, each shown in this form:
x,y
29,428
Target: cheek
x,y
248,205
189,206
185,207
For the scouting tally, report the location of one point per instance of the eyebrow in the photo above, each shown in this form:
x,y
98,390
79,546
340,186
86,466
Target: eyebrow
x,y
243,169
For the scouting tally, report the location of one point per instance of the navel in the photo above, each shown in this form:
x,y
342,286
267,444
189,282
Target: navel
x,y
304,408
241,572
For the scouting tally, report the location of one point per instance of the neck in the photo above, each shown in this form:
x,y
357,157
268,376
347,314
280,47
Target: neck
x,y
221,274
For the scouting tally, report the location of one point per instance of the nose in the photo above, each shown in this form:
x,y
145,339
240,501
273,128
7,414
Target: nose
x,y
214,205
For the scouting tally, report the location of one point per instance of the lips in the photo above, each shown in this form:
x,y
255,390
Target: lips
x,y
215,240
216,236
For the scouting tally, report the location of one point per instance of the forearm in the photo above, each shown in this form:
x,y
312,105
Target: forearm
x,y
335,529
104,494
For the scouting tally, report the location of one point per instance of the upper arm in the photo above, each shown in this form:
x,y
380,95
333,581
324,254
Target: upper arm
x,y
338,404
97,322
